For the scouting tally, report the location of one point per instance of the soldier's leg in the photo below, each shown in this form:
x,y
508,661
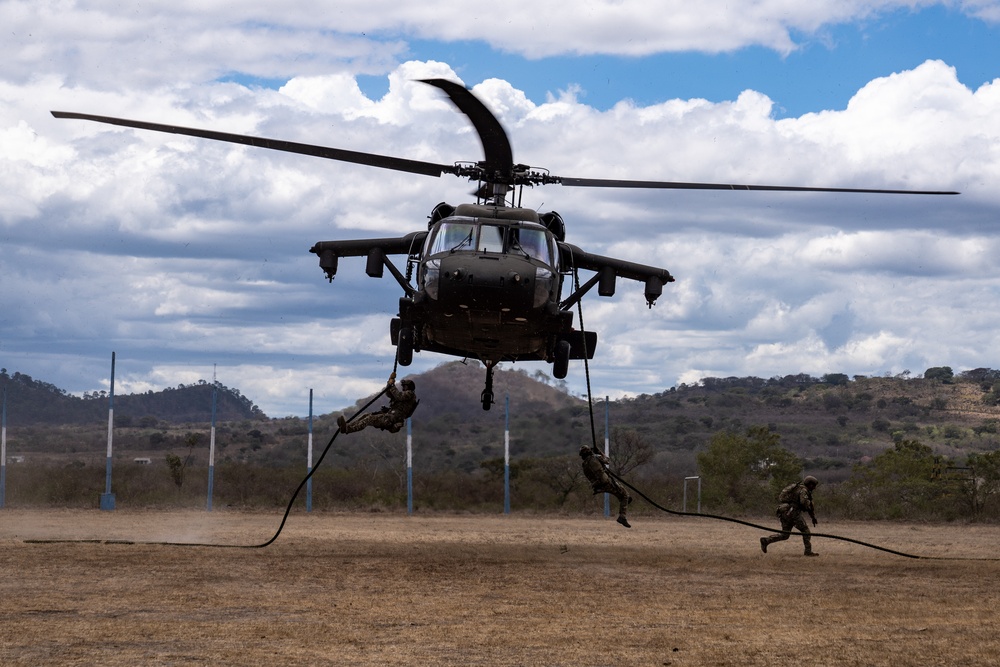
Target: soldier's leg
x,y
381,420
358,424
624,499
621,493
614,488
786,524
803,527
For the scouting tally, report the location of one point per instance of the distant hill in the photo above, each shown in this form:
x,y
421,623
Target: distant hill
x,y
449,391
451,429
830,422
37,402
453,390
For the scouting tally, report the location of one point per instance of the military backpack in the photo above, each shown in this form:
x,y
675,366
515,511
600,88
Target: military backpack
x,y
789,494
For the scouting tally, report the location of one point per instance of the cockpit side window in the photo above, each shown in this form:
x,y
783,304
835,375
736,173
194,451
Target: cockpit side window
x,y
534,244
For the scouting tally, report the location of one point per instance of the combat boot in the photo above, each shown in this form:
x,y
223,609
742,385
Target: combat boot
x,y
811,553
763,544
623,521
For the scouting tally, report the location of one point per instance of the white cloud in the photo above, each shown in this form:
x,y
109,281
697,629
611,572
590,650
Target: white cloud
x,y
165,43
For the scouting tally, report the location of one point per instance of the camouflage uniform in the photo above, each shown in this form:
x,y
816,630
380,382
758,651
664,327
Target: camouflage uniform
x,y
794,501
595,467
391,418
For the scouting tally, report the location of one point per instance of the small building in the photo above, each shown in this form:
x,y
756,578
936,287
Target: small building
x,y
15,459
143,461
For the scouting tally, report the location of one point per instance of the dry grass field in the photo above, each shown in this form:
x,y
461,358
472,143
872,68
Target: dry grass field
x,y
375,589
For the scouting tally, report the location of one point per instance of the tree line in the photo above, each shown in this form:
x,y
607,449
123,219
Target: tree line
x,y
741,472
884,447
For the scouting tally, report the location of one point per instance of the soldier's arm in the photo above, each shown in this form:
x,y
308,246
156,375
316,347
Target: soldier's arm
x,y
394,393
807,505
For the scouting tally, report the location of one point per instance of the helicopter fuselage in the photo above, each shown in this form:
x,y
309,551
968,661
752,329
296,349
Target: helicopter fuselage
x,y
488,286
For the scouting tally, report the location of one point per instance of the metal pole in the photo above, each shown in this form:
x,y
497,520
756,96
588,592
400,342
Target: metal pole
x,y
685,502
607,452
309,457
506,455
108,498
409,465
3,451
211,441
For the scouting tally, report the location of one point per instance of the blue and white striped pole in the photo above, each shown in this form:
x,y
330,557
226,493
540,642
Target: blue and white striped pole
x,y
506,456
309,457
3,451
211,443
409,466
108,498
607,452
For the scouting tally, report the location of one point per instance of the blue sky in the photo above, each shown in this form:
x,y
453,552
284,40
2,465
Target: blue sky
x,y
184,255
824,72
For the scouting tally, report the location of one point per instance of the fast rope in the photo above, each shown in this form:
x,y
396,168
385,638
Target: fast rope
x,y
288,508
586,361
790,532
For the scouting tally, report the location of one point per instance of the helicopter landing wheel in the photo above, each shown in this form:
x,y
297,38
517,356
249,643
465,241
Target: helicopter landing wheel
x,y
404,346
488,391
560,363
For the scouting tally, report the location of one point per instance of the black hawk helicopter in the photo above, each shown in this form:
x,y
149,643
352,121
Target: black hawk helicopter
x,y
488,275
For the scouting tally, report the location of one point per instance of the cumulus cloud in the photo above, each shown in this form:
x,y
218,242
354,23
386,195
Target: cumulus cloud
x,y
96,42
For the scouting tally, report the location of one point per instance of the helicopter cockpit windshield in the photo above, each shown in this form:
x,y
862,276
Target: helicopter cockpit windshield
x,y
470,236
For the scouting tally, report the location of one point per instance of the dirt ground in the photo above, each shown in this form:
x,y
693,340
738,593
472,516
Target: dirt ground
x,y
374,589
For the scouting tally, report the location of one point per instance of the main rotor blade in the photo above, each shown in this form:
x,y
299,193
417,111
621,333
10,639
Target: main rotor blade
x,y
370,159
673,185
499,163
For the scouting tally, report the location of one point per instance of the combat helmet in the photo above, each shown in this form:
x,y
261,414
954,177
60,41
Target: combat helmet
x,y
408,385
810,482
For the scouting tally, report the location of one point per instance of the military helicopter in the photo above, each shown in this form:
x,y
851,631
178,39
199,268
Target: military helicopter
x,y
485,279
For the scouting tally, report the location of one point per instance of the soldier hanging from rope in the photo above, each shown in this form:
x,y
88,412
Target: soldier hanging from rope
x,y
595,467
391,417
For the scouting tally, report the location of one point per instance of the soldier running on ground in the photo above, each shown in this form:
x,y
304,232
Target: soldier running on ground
x,y
392,417
794,500
595,467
